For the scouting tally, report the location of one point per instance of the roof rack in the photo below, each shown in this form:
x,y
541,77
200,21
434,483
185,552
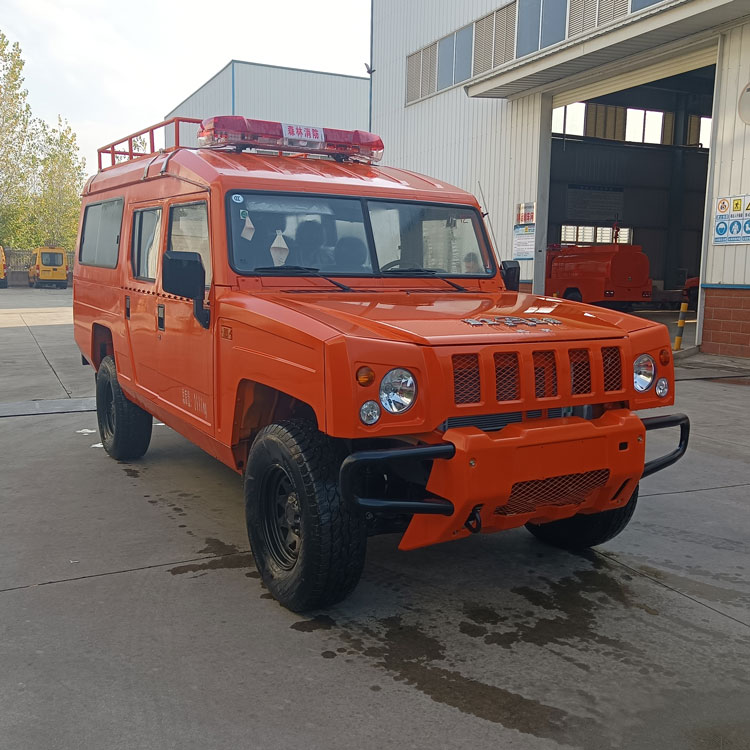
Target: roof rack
x,y
129,148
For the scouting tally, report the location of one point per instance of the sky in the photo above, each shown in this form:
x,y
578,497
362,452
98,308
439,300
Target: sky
x,y
112,68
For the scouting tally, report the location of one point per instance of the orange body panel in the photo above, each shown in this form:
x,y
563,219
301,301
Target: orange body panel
x,y
599,273
275,343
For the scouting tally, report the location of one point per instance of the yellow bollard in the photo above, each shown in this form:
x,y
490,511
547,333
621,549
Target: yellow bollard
x,y
680,326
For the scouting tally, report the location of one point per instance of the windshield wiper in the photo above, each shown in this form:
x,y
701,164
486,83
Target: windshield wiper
x,y
301,271
417,271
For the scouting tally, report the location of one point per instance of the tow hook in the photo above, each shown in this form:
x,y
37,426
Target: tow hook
x,y
474,521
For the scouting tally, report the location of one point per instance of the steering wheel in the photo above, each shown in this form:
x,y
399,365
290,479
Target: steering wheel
x,y
392,264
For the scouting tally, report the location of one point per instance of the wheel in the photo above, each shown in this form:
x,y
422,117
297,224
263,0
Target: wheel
x,y
583,531
573,295
308,544
124,427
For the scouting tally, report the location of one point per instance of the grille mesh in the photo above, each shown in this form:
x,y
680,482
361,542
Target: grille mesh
x,y
580,371
506,376
545,374
612,368
567,489
466,388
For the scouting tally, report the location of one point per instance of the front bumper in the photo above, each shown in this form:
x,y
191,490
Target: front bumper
x,y
536,471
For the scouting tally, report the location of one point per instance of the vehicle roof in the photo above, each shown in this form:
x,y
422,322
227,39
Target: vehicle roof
x,y
287,173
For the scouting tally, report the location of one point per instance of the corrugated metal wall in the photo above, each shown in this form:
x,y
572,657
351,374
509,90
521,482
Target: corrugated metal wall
x,y
729,172
282,94
448,136
302,96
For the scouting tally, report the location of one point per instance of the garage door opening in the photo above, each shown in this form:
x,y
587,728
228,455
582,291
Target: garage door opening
x,y
630,167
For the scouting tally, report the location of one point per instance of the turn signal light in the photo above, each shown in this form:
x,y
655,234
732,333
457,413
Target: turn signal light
x,y
365,376
664,357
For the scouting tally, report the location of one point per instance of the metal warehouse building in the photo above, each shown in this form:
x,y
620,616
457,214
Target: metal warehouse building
x,y
268,92
594,111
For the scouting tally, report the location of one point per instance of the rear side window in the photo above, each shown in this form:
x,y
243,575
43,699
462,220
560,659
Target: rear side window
x,y
100,239
188,233
146,240
52,259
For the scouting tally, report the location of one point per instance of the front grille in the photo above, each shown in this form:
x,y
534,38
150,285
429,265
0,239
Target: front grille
x,y
507,385
545,374
612,364
494,422
567,489
580,371
512,382
466,383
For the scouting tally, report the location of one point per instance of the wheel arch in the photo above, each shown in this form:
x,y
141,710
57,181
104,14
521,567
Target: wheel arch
x,y
101,344
258,405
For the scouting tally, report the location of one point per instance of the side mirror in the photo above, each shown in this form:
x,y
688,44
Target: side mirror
x,y
182,274
511,270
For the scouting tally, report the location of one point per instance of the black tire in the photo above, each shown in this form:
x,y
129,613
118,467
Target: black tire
x,y
573,295
308,544
124,427
584,531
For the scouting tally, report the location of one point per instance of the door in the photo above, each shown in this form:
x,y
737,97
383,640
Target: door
x,y
140,304
185,347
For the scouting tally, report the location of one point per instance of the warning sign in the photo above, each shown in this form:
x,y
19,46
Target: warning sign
x,y
732,220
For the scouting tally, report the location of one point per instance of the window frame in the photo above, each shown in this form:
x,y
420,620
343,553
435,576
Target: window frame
x,y
191,201
121,199
139,210
482,236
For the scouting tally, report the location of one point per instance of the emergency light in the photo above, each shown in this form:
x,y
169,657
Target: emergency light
x,y
241,132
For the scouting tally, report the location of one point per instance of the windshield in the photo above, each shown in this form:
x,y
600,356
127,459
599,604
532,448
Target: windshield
x,y
52,259
354,236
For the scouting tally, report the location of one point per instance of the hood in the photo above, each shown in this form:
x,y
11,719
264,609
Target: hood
x,y
463,318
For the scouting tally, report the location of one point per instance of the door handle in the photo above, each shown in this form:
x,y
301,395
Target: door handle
x,y
160,317
127,306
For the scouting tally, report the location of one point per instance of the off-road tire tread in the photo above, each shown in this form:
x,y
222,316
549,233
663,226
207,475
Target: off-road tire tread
x,y
335,554
133,425
586,530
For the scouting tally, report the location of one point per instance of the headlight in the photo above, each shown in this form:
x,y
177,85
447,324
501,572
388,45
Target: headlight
x,y
398,390
644,371
369,412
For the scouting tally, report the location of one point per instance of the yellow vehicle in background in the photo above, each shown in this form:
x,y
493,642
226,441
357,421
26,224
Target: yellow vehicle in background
x,y
48,267
3,270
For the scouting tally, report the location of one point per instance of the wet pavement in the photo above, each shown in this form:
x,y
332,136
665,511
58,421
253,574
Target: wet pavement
x,y
133,617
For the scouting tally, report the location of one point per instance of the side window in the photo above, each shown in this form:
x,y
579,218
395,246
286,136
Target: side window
x,y
188,233
146,239
100,239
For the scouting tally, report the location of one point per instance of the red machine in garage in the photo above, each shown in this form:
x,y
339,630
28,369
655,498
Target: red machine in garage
x,y
614,275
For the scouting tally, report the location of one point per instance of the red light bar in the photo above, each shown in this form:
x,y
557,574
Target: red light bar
x,y
241,132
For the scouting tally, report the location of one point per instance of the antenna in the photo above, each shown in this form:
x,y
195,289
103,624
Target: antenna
x,y
489,221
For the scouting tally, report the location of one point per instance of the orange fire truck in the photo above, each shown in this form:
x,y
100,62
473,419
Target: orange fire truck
x,y
615,275
341,335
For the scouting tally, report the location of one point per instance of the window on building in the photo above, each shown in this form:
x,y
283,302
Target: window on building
x,y
100,239
454,57
421,73
570,119
644,126
540,24
584,15
495,39
145,243
641,4
571,234
699,131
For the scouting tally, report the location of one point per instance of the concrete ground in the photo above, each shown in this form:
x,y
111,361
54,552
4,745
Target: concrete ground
x,y
132,614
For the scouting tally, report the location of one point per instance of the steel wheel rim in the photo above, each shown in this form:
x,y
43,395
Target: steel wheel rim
x,y
281,526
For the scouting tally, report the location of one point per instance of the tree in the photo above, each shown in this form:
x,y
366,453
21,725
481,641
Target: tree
x,y
60,176
17,143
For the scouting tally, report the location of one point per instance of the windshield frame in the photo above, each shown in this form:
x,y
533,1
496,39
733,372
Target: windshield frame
x,y
376,273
